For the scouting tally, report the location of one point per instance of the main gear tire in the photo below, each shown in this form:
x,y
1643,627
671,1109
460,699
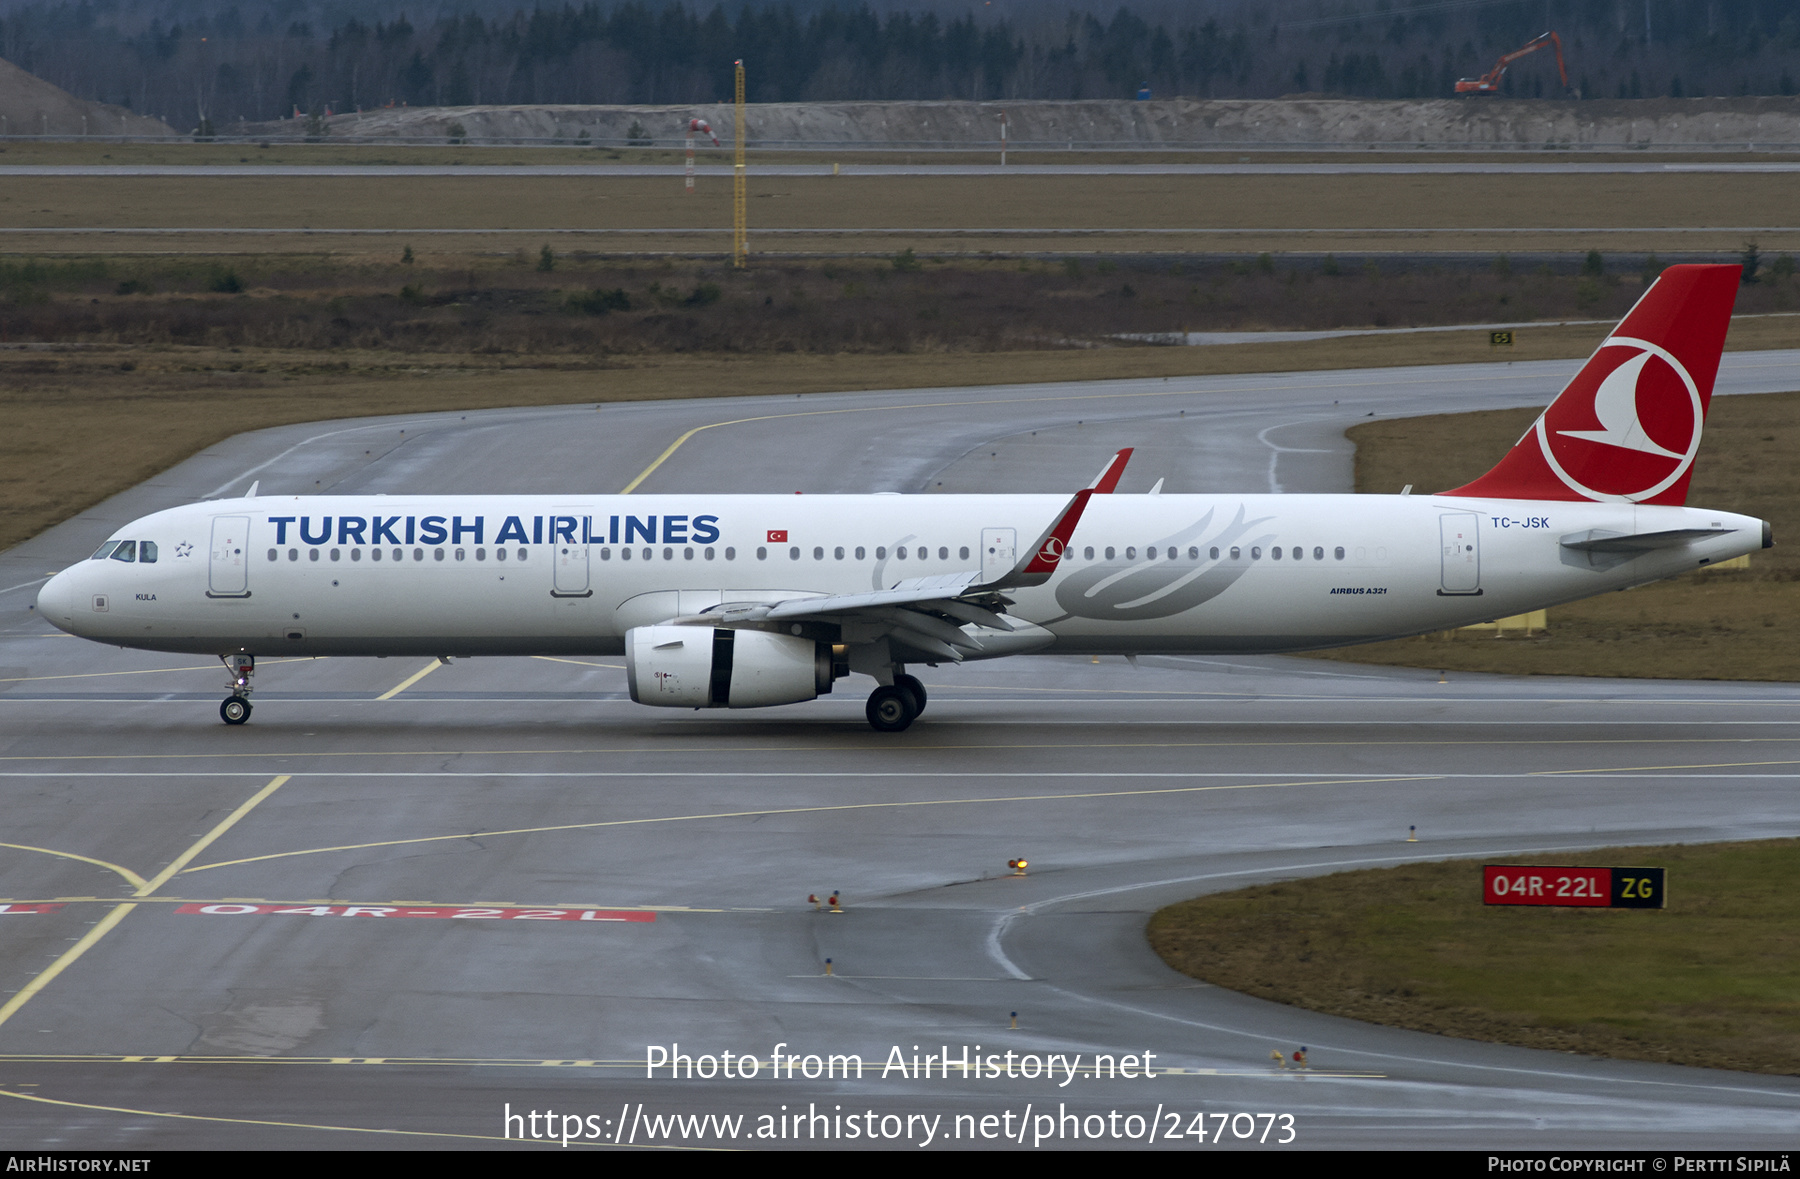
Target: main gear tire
x,y
890,709
912,685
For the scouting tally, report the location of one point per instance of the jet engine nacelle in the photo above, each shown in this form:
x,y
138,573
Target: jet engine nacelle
x,y
704,667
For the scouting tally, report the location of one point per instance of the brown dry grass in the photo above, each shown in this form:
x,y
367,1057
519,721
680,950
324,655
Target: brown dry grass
x,y
1726,624
1706,982
508,304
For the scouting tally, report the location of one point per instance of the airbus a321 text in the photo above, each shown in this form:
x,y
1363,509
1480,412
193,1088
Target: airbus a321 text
x,y
752,600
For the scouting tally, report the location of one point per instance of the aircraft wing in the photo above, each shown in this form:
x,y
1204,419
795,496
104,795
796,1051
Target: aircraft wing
x,y
928,613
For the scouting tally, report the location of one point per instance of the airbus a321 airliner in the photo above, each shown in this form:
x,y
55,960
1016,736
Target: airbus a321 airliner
x,y
744,601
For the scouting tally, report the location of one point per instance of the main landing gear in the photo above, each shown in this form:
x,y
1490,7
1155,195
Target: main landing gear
x,y
236,708
892,708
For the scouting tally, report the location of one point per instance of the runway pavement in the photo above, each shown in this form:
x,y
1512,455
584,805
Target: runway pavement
x,y
631,878
827,168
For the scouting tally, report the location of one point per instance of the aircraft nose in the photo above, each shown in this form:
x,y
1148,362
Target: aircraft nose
x,y
56,601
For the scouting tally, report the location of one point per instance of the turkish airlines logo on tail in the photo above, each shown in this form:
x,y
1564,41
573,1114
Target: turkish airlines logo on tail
x,y
1052,550
1628,427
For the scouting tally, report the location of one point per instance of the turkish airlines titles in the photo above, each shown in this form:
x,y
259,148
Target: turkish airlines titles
x,y
377,530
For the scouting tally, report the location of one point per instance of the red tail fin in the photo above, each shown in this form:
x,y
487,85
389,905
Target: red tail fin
x,y
1627,427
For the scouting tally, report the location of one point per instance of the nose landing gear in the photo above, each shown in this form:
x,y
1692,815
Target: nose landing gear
x,y
236,708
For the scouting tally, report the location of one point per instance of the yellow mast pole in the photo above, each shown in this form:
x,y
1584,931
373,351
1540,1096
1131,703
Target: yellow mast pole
x,y
740,237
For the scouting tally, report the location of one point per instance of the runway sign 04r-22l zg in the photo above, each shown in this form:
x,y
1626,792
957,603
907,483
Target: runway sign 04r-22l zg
x,y
1601,888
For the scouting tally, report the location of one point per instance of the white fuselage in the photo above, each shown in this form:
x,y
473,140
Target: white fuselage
x,y
533,575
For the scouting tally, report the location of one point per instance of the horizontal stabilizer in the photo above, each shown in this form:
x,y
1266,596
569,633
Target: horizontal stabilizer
x,y
1599,540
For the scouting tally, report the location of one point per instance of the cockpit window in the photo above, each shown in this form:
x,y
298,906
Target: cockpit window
x,y
104,551
127,551
147,552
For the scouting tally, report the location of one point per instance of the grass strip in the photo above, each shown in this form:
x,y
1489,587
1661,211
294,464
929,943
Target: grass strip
x,y
1709,981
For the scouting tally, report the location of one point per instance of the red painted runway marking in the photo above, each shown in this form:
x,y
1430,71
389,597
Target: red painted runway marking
x,y
7,910
467,913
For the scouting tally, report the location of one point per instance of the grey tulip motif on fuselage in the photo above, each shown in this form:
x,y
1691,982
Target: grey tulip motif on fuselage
x,y
1147,588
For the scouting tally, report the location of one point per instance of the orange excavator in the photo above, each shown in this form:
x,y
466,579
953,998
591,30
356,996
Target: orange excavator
x,y
1489,83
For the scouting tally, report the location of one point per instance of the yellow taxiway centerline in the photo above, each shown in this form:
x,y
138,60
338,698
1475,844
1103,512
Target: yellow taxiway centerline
x,y
410,680
127,873
112,919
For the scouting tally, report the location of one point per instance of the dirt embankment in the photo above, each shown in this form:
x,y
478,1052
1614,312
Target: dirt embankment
x,y
31,106
1297,122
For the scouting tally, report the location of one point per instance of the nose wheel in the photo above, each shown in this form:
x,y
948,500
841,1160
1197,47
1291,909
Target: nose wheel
x,y
891,709
236,708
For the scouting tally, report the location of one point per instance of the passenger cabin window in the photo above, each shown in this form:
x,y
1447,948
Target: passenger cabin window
x,y
1338,552
881,552
709,553
963,553
943,553
1274,553
1255,552
819,552
860,551
1194,552
1109,552
731,554
272,554
1088,553
838,553
1318,553
1234,552
762,553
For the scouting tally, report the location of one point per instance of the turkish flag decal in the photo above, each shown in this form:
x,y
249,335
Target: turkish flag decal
x,y
777,536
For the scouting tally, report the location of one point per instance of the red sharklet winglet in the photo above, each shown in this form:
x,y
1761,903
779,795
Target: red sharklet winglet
x,y
1051,546
1627,427
1047,553
1109,475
